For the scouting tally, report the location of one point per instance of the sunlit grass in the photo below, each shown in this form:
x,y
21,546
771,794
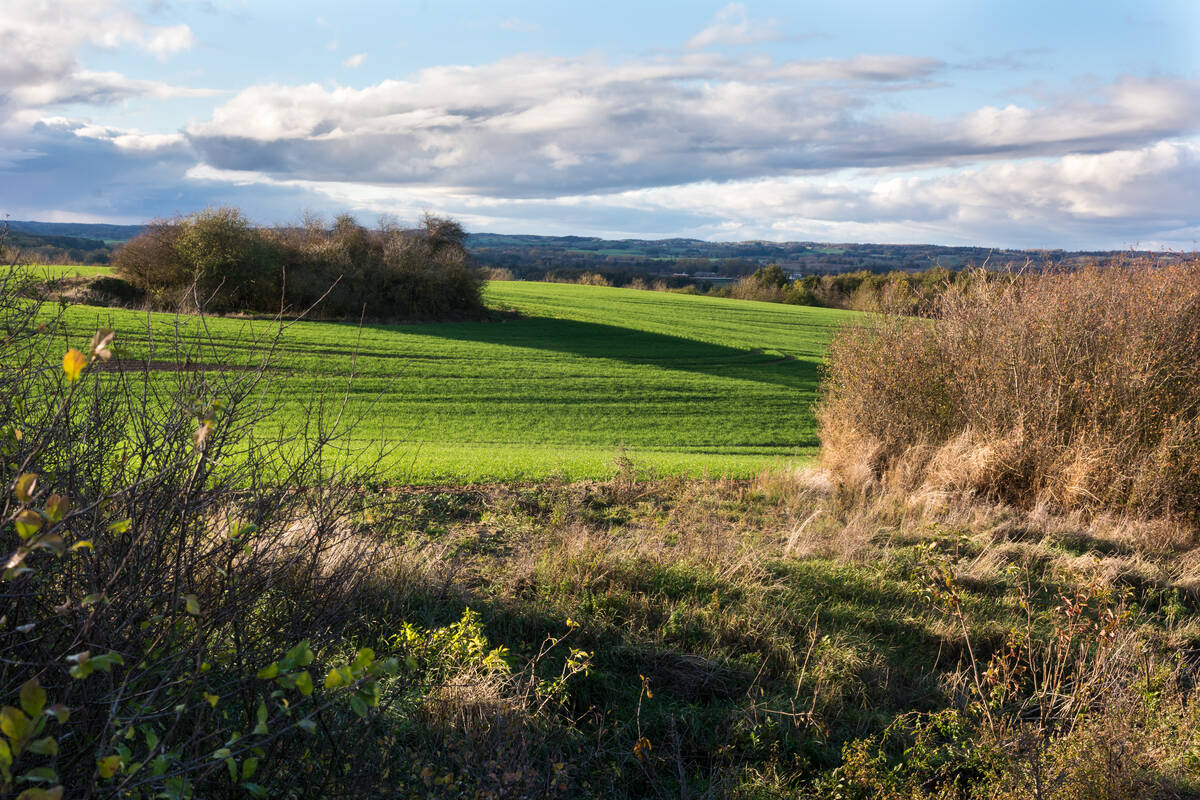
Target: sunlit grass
x,y
679,384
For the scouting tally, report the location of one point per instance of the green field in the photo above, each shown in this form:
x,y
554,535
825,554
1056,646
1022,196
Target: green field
x,y
67,270
681,384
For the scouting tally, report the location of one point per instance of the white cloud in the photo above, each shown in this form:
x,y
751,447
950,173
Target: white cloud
x,y
355,61
164,42
41,40
133,140
732,26
1114,199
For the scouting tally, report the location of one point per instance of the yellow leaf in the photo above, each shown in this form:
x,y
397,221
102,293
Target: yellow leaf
x,y
193,604
27,523
57,507
212,699
108,766
73,364
25,486
333,679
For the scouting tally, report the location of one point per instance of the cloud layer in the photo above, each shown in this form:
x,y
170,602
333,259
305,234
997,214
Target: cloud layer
x,y
545,127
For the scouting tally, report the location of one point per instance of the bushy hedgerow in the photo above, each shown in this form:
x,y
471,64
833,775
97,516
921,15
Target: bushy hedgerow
x,y
216,261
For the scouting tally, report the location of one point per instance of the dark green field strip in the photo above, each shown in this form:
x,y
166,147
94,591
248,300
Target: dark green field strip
x,y
688,383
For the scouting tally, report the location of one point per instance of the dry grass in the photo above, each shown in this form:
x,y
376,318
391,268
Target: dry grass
x,y
1062,390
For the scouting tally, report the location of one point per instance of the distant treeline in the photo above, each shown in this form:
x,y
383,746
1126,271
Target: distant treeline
x,y
217,261
895,292
679,261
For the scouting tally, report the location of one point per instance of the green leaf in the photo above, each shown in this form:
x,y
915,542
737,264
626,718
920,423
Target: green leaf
x,y
268,672
13,722
261,728
120,526
105,662
27,523
222,753
334,679
192,604
47,746
359,705
33,697
307,725
255,789
41,775
364,658
91,599
304,683
300,655
53,793
249,767
6,757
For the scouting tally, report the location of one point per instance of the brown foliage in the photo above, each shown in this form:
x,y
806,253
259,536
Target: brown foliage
x,y
1069,389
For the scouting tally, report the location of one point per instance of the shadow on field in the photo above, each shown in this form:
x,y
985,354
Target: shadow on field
x,y
631,346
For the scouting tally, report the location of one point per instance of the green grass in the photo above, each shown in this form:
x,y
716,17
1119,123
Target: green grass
x,y
683,384
67,271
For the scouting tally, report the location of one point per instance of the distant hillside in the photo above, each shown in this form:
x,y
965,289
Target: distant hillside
x,y
621,261
81,230
533,257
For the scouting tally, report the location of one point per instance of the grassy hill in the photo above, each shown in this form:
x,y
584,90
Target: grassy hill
x,y
680,384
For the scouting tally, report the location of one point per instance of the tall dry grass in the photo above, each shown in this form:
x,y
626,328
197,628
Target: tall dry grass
x,y
1061,390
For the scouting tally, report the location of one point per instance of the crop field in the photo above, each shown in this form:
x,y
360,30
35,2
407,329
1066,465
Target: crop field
x,y
49,271
578,376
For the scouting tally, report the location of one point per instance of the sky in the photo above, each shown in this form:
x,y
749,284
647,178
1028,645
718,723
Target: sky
x,y
1010,124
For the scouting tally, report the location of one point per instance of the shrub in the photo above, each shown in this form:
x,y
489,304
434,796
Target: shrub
x,y
185,597
228,264
212,260
1077,389
388,273
216,261
150,262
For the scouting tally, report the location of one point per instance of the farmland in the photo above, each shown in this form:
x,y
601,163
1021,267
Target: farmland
x,y
567,381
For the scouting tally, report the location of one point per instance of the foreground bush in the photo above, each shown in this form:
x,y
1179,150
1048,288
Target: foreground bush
x,y
1073,389
216,261
190,608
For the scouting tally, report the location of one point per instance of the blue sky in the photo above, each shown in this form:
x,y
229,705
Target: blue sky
x,y
1021,124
